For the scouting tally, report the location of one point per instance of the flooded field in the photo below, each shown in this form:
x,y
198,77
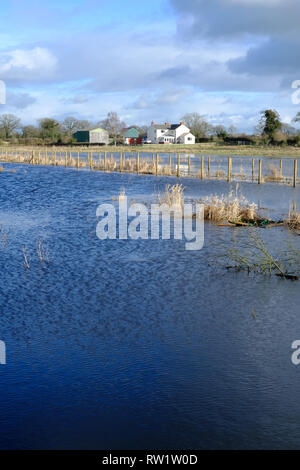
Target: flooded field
x,y
140,344
281,170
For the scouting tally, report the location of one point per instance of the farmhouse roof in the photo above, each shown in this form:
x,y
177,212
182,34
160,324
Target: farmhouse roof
x,y
166,126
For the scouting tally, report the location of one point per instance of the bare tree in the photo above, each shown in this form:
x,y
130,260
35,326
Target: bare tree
x,y
232,130
113,125
197,124
8,124
71,125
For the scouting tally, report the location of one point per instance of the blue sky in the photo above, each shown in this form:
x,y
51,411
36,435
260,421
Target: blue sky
x,y
225,59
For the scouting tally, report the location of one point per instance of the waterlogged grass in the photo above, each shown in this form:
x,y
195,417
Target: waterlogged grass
x,y
257,257
232,209
235,209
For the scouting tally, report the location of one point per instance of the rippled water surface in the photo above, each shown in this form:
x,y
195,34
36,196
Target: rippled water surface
x,y
139,344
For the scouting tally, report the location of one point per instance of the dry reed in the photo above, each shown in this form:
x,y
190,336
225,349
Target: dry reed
x,y
293,221
173,195
26,258
230,208
274,176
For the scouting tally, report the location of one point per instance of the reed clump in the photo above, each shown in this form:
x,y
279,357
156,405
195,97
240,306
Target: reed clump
x,y
148,168
230,208
274,176
241,174
293,220
220,174
173,195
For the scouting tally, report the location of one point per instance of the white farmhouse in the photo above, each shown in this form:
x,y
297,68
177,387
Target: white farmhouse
x,y
169,134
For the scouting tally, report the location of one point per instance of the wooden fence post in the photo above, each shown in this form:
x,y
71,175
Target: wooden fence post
x,y
253,169
189,165
156,165
138,162
259,172
208,166
178,165
280,169
202,167
295,172
229,169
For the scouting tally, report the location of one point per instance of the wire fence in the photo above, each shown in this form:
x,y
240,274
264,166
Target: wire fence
x,y
251,169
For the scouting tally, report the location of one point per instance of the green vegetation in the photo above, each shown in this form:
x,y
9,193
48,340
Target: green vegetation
x,y
257,257
270,124
271,137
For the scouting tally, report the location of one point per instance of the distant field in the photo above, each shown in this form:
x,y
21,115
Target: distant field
x,y
212,148
202,149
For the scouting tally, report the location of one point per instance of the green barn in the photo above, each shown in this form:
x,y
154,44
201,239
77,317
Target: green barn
x,y
92,136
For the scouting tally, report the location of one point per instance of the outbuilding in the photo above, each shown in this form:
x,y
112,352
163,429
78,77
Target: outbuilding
x,y
92,136
131,136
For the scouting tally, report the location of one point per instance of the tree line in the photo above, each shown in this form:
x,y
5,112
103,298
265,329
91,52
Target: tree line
x,y
270,130
52,131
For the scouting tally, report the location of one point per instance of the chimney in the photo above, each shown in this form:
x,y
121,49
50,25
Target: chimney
x,y
152,123
182,123
167,124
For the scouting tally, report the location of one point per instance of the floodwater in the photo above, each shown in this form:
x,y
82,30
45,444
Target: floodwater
x,y
214,166
123,344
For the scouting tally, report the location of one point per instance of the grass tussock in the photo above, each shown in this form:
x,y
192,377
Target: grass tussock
x,y
274,176
241,174
293,221
230,208
173,195
220,174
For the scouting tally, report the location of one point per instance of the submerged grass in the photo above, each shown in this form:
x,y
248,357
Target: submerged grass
x,y
259,259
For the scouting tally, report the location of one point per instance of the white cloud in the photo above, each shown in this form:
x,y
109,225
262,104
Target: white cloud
x,y
24,64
